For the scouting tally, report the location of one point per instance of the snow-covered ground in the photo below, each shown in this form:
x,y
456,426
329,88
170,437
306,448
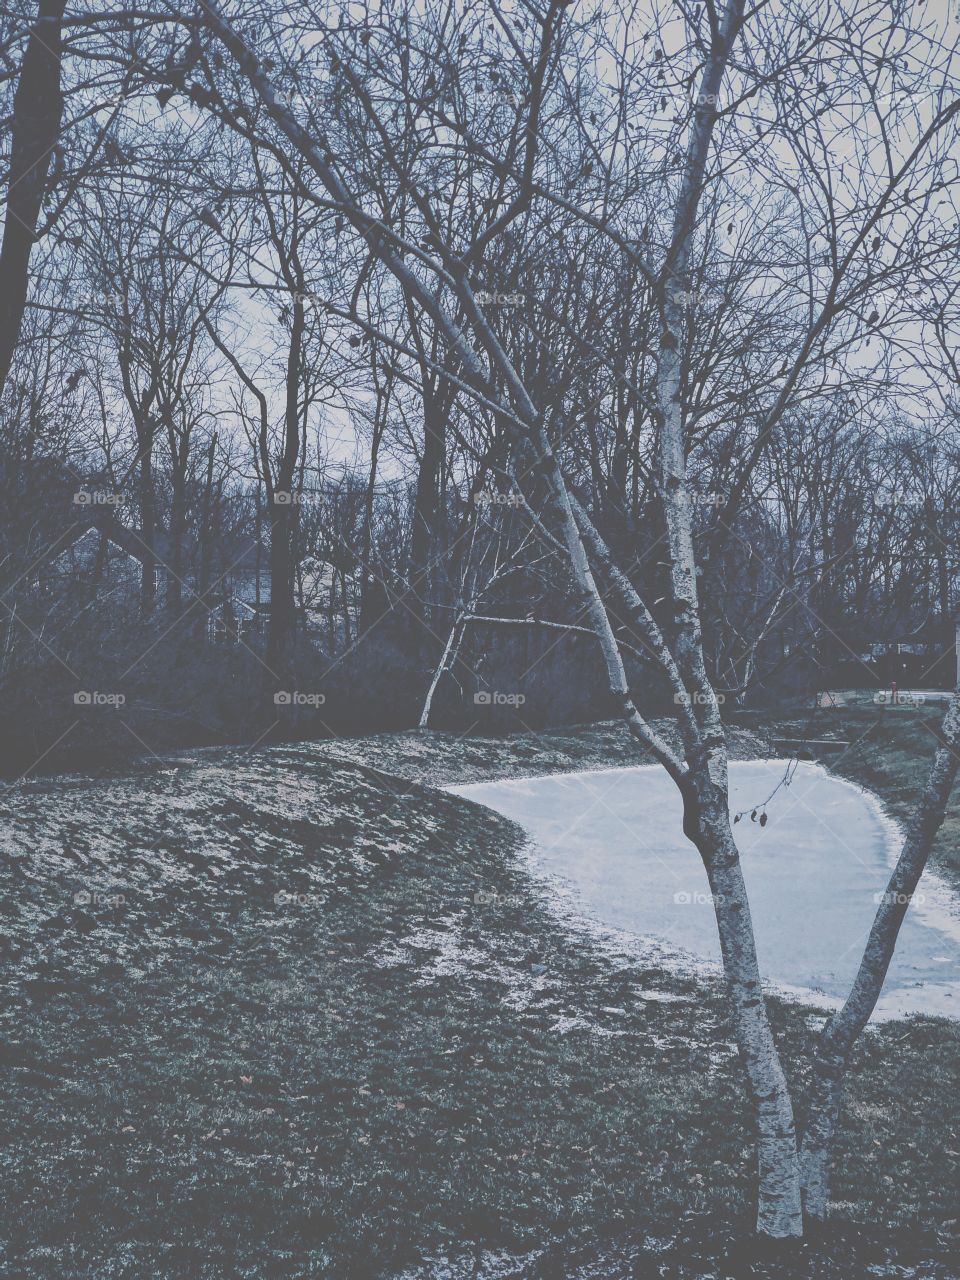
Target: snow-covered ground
x,y
612,839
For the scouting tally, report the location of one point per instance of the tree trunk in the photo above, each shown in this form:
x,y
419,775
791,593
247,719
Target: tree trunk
x,y
707,825
451,651
778,1175
37,108
206,524
148,523
178,528
282,587
426,504
283,512
366,541
706,813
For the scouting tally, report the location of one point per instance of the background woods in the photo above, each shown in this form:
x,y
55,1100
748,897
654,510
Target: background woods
x,y
241,454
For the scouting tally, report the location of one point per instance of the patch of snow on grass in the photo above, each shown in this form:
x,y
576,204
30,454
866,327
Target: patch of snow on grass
x,y
607,847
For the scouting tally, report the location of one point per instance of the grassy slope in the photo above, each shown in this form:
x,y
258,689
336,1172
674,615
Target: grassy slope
x,y
204,1082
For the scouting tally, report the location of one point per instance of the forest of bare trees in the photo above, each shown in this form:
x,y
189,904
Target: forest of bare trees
x,y
261,277
358,360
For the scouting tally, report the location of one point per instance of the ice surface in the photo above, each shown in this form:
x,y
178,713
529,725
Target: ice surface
x,y
813,874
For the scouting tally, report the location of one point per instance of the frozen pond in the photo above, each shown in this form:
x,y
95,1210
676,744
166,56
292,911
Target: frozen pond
x,y
613,840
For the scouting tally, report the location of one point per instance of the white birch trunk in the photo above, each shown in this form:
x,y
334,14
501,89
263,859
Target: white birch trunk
x,y
450,651
706,811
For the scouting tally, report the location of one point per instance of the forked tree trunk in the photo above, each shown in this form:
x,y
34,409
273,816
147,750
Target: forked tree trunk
x,y
840,1034
707,826
284,518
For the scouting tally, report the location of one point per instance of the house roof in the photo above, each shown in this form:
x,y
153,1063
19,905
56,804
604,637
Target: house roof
x,y
82,554
234,601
